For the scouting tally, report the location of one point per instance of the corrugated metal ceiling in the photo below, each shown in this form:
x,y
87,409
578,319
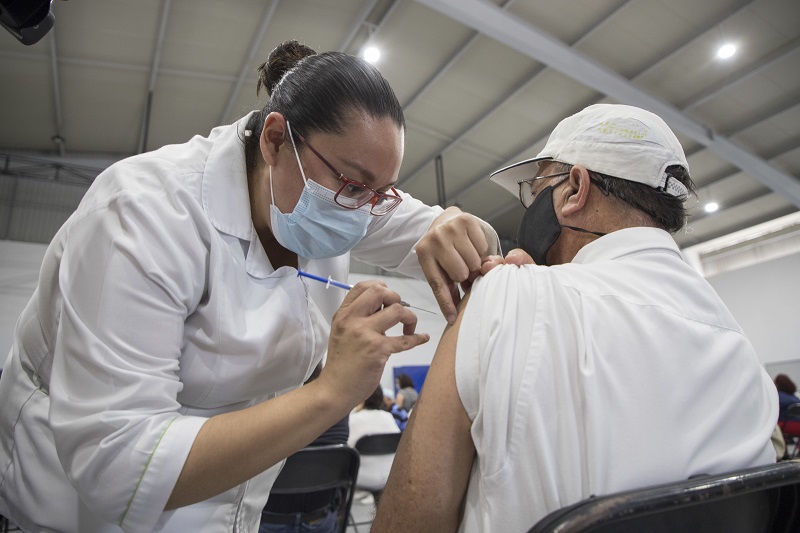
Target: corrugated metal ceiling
x,y
469,93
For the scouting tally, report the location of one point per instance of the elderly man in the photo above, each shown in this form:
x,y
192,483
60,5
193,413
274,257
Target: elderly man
x,y
597,361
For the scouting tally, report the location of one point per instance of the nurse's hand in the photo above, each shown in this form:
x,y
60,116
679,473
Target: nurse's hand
x,y
517,256
358,347
451,252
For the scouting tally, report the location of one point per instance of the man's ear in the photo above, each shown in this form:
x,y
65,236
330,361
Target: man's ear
x,y
577,190
273,137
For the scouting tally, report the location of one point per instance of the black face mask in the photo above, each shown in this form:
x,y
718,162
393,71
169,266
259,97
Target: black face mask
x,y
539,228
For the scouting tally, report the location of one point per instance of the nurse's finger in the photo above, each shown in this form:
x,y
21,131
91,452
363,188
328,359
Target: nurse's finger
x,y
361,287
368,297
443,288
491,262
466,286
462,253
389,317
401,343
472,247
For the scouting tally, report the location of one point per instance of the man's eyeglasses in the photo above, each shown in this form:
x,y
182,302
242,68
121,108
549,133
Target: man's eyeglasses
x,y
353,194
525,193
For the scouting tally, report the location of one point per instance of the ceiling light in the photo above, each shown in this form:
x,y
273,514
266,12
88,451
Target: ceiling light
x,y
710,207
372,54
726,50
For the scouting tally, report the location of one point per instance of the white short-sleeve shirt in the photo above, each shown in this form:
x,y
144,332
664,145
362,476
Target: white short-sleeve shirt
x,y
619,370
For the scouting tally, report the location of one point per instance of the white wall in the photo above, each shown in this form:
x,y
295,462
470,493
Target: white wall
x,y
765,300
19,272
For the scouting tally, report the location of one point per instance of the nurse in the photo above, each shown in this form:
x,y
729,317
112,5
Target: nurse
x,y
153,384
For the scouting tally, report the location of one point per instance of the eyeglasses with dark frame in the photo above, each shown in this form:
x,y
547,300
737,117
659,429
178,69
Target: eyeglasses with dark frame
x,y
525,194
353,194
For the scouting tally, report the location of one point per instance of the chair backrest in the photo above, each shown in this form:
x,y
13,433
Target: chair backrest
x,y
759,499
320,468
377,451
378,443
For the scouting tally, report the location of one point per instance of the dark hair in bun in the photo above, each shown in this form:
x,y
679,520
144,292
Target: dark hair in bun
x,y
318,93
280,60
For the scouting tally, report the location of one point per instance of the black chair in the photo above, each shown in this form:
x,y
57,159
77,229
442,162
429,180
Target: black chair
x,y
760,499
378,444
322,468
375,445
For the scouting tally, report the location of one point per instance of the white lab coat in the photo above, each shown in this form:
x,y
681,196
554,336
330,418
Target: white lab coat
x,y
157,308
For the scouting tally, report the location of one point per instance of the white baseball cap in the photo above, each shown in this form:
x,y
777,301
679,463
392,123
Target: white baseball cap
x,y
617,140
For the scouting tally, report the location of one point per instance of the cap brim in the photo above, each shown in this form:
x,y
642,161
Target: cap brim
x,y
508,177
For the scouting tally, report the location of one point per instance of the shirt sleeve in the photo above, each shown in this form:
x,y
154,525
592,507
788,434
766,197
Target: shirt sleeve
x,y
495,341
132,270
390,242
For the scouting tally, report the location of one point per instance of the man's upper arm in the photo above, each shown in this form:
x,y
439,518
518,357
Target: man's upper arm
x,y
431,469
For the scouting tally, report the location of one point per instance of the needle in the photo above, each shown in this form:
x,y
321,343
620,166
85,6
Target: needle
x,y
331,282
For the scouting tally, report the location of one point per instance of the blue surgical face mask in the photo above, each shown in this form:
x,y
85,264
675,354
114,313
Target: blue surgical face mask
x,y
318,227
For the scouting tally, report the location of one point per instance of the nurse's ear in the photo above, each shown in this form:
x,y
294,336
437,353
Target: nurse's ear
x,y
273,137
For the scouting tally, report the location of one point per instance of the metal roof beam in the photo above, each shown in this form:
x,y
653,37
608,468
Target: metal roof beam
x,y
783,149
507,98
698,33
775,109
773,58
247,65
452,60
58,138
518,35
384,19
151,84
356,27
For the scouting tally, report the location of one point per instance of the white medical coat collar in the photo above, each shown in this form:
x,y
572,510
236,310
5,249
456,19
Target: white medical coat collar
x,y
626,241
226,198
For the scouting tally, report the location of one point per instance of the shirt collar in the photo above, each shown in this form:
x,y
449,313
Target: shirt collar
x,y
226,198
627,241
